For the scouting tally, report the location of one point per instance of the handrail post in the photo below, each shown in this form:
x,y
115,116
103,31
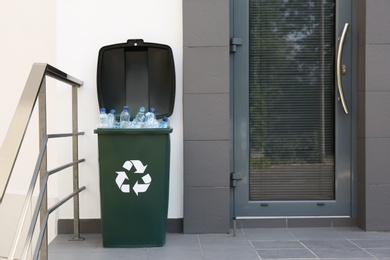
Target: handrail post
x,y
42,133
76,210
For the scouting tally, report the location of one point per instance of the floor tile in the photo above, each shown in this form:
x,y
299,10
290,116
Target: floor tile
x,y
69,255
113,256
182,240
70,246
269,234
214,240
381,253
230,253
336,249
286,254
277,244
315,234
341,253
356,233
92,239
249,244
122,251
174,253
372,243
329,244
65,238
174,257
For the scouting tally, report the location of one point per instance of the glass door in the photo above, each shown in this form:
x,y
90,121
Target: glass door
x,y
291,107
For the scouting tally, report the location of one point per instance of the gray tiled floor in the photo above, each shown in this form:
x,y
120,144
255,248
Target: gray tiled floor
x,y
249,244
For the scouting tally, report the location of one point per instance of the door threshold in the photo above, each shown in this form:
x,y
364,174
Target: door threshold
x,y
292,222
287,217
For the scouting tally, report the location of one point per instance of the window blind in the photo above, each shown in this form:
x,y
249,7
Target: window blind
x,y
291,99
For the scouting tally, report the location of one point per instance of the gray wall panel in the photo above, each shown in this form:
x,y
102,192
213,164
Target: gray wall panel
x,y
377,161
205,163
206,116
374,115
206,23
378,207
207,213
206,70
378,67
377,21
378,114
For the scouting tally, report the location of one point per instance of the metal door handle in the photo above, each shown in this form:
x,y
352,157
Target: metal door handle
x,y
339,68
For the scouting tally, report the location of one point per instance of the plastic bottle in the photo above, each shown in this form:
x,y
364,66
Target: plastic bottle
x,y
111,119
164,123
125,118
103,119
139,120
150,119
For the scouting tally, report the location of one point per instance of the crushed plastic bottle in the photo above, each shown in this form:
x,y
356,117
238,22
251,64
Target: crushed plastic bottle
x,y
103,119
164,123
139,119
124,118
150,119
111,119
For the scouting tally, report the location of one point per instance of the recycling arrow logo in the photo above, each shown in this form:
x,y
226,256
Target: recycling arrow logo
x,y
139,169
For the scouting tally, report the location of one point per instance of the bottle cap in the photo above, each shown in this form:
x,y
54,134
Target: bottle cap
x,y
112,111
103,110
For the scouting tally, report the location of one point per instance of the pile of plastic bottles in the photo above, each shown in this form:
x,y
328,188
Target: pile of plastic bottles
x,y
141,120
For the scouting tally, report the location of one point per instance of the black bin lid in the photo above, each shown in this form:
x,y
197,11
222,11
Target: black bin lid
x,y
136,74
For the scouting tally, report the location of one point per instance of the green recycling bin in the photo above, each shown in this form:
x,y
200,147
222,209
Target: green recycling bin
x,y
134,186
134,163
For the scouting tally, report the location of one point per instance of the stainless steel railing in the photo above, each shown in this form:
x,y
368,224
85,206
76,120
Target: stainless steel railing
x,y
35,89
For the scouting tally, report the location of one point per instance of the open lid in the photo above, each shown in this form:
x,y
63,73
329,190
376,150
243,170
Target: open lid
x,y
136,74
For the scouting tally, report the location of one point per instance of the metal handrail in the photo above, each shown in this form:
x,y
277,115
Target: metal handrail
x,y
46,217
35,88
34,219
15,135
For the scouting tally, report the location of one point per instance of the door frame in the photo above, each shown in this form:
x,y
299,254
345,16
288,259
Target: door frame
x,y
239,123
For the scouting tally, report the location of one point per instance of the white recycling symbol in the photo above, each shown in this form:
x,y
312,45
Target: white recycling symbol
x,y
139,169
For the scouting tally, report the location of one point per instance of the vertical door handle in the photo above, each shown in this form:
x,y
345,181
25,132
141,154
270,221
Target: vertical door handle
x,y
339,68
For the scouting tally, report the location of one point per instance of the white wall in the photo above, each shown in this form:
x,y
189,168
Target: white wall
x,y
27,33
68,34
83,27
